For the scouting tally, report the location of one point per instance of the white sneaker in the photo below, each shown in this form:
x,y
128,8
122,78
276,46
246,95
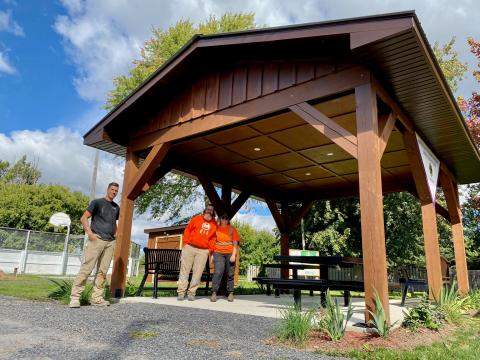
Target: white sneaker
x,y
74,303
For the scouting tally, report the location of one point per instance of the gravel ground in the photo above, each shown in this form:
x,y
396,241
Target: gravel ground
x,y
51,331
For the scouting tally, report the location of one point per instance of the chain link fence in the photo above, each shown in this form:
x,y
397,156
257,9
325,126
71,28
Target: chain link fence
x,y
49,253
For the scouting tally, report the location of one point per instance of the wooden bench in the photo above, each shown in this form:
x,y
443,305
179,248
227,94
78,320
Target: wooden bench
x,y
164,264
409,283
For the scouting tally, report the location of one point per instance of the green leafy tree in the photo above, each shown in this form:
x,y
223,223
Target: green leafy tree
x,y
256,246
24,206
165,43
452,67
172,193
22,172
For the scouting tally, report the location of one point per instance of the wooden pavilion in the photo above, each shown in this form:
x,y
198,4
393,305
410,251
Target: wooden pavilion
x,y
296,114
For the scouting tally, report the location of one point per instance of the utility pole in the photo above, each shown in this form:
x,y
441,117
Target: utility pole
x,y
92,191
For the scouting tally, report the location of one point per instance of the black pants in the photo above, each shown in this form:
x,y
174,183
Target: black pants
x,y
222,265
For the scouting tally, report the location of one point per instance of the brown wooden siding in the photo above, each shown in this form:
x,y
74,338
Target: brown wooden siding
x,y
220,90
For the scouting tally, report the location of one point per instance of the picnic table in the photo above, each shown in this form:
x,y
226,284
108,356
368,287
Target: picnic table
x,y
322,284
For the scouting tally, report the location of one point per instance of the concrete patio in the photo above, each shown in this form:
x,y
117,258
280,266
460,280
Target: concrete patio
x,y
268,306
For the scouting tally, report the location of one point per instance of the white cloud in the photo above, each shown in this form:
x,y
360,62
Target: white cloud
x,y
102,37
258,222
5,65
9,25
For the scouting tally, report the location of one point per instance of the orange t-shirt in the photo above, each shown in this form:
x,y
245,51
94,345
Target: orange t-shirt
x,y
200,233
224,243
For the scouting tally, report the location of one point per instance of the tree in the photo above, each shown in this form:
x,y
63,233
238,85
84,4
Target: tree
x,y
257,247
22,172
172,193
452,67
24,206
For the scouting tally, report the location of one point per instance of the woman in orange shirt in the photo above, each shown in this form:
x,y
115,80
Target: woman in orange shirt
x,y
224,256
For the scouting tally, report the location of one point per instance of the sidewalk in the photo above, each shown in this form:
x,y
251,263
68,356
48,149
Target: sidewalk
x,y
267,306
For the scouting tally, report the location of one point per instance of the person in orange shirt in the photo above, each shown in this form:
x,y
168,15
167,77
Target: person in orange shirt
x,y
198,243
224,256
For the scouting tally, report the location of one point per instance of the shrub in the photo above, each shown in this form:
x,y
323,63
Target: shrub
x,y
295,324
423,315
472,300
332,320
64,289
380,323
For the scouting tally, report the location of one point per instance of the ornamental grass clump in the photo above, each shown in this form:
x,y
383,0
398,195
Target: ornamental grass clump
x,y
64,289
379,322
451,304
332,320
295,325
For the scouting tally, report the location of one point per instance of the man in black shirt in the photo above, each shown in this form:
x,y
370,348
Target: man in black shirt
x,y
100,246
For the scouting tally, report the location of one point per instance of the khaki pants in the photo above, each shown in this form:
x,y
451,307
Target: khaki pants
x,y
98,252
194,260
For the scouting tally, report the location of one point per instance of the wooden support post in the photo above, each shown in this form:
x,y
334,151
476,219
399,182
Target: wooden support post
x,y
429,216
451,196
371,200
124,230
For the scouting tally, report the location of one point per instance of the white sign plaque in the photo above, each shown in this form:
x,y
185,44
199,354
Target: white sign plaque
x,y
431,165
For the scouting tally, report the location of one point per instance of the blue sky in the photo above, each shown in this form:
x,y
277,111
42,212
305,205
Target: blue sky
x,y
58,58
39,95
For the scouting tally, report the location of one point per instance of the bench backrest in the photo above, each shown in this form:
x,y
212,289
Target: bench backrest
x,y
168,260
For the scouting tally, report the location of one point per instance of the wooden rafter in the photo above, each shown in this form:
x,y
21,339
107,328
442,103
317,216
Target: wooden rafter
x,y
442,211
279,220
327,127
296,217
153,160
212,194
386,123
239,201
159,173
328,85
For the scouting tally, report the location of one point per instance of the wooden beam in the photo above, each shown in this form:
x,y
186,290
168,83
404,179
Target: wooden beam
x,y
239,201
387,99
295,218
152,161
158,174
124,229
371,200
451,196
327,127
211,194
429,216
440,210
386,125
227,197
327,85
404,119
279,221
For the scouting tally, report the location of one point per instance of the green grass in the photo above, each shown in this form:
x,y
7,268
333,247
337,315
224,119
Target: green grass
x,y
32,287
143,334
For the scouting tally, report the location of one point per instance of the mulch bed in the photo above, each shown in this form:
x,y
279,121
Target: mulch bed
x,y
399,339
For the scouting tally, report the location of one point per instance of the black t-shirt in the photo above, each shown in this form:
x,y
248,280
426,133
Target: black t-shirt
x,y
104,217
